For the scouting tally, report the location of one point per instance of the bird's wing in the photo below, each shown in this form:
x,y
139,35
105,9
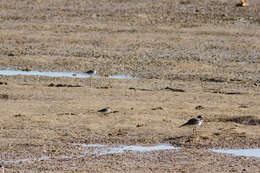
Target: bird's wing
x,y
102,110
190,122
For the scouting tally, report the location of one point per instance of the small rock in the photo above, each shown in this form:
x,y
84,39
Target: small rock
x,y
199,107
3,83
157,108
243,106
139,125
4,96
10,54
18,115
51,85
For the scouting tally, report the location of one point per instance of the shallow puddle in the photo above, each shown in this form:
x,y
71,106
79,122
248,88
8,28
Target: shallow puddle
x,y
97,149
120,77
100,149
59,74
239,152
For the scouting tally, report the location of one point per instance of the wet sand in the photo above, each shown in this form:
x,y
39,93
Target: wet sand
x,y
188,58
41,120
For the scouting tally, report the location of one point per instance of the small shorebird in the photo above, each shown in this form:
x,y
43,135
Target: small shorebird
x,y
105,110
244,3
91,72
3,169
194,122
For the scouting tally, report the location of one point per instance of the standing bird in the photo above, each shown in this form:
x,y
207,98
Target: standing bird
x,y
243,3
3,169
194,122
91,73
105,110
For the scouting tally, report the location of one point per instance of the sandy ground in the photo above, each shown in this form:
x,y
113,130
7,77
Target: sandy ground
x,y
187,57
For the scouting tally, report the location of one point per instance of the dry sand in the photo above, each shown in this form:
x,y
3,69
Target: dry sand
x,y
187,57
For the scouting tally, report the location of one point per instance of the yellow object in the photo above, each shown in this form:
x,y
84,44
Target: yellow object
x,y
244,3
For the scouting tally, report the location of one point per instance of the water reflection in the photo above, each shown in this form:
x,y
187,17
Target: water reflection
x,y
60,74
239,152
100,149
97,149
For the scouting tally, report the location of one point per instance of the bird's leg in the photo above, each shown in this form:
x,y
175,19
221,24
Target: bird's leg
x,y
90,81
194,130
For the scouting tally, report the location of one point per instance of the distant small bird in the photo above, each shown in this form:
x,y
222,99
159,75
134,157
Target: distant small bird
x,y
3,169
194,122
105,110
244,3
91,72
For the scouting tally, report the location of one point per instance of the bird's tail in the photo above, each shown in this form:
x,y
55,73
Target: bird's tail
x,y
182,125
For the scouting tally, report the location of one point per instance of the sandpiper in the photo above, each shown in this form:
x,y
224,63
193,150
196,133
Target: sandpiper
x,y
91,72
3,169
194,122
105,110
244,3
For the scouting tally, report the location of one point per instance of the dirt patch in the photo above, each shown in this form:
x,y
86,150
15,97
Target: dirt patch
x,y
222,139
247,120
189,58
51,119
4,96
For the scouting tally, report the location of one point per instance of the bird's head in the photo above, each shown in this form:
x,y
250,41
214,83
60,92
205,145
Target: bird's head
x,y
200,117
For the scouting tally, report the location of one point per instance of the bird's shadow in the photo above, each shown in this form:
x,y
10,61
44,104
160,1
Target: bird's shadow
x,y
173,138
